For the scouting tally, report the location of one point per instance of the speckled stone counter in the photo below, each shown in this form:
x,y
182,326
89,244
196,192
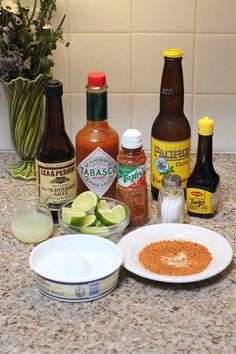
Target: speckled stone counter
x,y
139,316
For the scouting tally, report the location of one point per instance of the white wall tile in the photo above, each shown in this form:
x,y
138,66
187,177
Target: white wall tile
x,y
60,69
99,15
163,15
100,52
5,137
148,61
145,109
61,11
119,115
223,110
215,64
217,16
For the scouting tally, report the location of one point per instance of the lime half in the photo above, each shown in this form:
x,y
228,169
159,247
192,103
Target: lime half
x,y
72,217
88,220
112,216
85,201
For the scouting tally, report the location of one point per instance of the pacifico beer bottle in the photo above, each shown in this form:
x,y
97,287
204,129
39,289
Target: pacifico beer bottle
x,y
97,144
170,136
55,157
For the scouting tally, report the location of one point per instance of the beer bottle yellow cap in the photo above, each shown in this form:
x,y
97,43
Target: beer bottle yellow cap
x,y
206,126
173,53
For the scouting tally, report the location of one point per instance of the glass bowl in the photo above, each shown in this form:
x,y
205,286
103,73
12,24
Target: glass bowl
x,y
107,231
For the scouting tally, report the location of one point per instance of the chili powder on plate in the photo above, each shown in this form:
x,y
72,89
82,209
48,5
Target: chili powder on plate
x,y
175,257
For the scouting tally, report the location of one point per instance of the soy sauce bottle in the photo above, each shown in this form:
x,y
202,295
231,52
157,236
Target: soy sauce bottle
x,y
170,136
203,184
55,157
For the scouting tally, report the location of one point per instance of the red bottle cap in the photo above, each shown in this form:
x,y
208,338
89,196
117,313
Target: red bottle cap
x,y
96,79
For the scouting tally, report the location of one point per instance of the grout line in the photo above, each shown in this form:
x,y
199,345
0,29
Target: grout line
x,y
194,63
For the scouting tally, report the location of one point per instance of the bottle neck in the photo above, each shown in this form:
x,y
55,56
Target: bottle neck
x,y
54,118
96,104
172,87
204,150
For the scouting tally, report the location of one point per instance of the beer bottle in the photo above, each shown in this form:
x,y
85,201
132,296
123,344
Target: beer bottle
x,y
170,135
55,157
202,186
97,144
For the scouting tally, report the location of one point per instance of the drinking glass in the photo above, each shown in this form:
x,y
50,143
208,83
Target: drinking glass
x,y
31,221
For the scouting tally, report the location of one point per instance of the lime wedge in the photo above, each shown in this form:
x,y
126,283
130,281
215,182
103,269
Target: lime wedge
x,y
85,201
95,230
103,204
112,216
88,220
71,216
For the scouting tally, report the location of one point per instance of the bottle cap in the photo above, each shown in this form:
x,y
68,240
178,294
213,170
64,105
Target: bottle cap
x,y
131,139
173,53
53,88
171,181
96,79
206,126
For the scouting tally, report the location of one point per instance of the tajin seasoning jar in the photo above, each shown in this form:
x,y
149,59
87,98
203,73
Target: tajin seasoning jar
x,y
131,187
170,136
97,144
55,157
203,184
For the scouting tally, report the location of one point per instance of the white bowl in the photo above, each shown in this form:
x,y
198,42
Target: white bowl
x,y
76,268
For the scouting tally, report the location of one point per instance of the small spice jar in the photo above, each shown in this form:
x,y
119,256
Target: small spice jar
x,y
131,187
171,205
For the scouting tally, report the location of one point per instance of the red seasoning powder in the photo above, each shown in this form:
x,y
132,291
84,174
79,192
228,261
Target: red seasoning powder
x,y
175,257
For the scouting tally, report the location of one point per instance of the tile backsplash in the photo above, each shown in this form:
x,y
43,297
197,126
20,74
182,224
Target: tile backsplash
x,y
126,39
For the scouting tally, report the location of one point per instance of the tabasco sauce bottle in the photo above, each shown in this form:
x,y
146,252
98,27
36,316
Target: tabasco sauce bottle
x,y
203,184
55,157
97,144
170,136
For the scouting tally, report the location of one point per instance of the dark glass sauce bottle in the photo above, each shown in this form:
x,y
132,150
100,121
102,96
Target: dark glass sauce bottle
x,y
55,158
202,186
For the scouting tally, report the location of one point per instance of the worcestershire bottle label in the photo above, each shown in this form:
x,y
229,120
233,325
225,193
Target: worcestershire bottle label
x,y
170,157
98,171
59,179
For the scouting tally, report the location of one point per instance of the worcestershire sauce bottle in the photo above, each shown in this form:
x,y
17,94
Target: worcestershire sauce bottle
x,y
202,186
55,158
170,136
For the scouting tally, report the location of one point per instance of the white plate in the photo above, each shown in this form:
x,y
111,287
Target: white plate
x,y
135,241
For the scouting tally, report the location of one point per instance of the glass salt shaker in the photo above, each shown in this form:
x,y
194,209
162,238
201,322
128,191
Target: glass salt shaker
x,y
171,204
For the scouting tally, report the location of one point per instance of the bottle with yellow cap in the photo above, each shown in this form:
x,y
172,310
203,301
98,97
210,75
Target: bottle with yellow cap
x,y
170,136
203,184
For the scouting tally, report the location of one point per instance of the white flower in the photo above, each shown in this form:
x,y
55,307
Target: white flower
x,y
33,31
10,6
47,26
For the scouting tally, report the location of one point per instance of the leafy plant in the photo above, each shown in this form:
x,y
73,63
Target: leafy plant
x,y
27,39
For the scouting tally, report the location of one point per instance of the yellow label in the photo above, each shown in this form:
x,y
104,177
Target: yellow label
x,y
59,179
200,201
169,157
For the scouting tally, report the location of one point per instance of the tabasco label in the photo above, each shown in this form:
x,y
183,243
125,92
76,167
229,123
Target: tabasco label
x,y
59,179
131,176
169,157
98,171
200,201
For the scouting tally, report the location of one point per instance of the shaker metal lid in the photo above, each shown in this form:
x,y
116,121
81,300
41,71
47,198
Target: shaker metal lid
x,y
171,181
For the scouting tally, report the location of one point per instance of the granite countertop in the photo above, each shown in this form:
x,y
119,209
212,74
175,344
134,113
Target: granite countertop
x,y
139,316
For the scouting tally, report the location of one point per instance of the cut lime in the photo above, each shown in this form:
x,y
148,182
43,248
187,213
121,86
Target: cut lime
x,y
111,217
85,201
103,204
71,216
88,220
100,230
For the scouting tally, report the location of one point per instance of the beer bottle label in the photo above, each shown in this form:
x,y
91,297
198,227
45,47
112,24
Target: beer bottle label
x,y
98,171
169,157
59,179
200,201
131,176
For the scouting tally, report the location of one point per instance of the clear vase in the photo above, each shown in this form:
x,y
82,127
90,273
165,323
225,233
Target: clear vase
x,y
25,110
